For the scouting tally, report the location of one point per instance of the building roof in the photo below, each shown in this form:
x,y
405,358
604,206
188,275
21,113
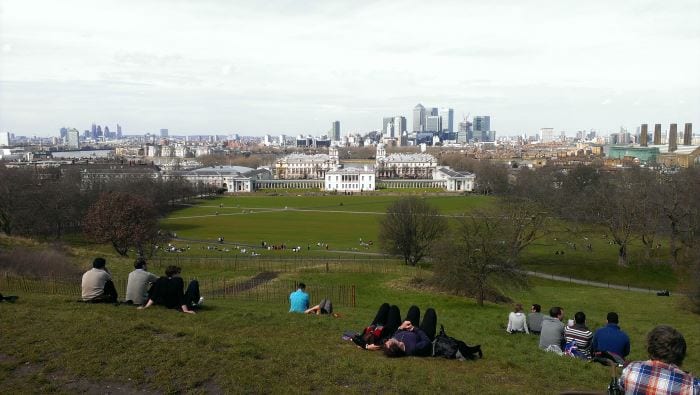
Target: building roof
x,y
351,170
454,173
304,158
407,158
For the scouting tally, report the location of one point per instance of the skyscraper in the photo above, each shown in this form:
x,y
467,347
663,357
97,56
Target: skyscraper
x,y
73,139
418,118
433,124
399,126
387,126
447,115
107,133
464,131
164,133
335,131
119,132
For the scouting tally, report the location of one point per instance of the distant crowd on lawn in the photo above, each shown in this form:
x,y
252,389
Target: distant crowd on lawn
x,y
143,289
661,374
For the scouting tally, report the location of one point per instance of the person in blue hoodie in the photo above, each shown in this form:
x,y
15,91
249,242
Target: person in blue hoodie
x,y
611,338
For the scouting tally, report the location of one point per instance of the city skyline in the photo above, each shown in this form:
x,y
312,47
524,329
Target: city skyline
x,y
221,67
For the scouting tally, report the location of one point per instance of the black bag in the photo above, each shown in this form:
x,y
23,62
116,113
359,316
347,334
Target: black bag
x,y
451,348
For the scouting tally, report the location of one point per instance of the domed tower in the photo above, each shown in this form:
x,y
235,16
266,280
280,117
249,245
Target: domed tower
x,y
381,153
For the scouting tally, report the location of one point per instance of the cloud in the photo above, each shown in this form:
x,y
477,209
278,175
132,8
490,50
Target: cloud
x,y
6,48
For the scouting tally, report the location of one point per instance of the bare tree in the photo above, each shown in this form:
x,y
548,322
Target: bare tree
x,y
410,228
123,220
479,252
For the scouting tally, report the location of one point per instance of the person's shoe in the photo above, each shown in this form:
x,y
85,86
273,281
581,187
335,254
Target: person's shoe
x,y
201,300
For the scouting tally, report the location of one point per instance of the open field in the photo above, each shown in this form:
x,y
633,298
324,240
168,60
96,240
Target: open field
x,y
340,222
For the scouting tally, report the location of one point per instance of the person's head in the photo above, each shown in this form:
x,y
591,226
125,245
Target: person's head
x,y
536,308
580,318
172,270
394,348
613,318
140,263
99,263
518,308
302,286
556,312
665,343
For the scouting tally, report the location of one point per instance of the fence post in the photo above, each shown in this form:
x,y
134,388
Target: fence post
x,y
352,289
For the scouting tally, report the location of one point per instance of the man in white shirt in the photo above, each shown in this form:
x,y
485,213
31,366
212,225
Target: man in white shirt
x,y
97,285
139,282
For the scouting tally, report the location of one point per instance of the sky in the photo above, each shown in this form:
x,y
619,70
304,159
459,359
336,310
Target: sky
x,y
295,66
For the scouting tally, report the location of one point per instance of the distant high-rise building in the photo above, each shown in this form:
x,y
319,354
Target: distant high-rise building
x,y
335,135
119,132
546,135
99,132
418,118
93,131
399,126
164,133
4,139
464,131
387,126
482,123
447,115
64,133
108,134
673,138
73,139
433,124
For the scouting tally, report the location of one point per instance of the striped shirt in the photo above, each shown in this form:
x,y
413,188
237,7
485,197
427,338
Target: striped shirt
x,y
657,377
581,336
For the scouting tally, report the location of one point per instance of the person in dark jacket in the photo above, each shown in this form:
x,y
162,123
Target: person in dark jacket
x,y
167,291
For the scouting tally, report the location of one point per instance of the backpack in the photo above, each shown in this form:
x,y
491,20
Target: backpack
x,y
451,348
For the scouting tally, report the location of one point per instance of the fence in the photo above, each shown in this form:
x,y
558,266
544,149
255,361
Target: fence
x,y
263,287
278,264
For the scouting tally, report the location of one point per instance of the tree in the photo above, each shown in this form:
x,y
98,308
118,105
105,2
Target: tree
x,y
480,251
410,228
123,220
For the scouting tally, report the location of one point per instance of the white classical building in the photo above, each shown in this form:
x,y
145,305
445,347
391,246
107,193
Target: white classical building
x,y
228,178
351,179
455,181
303,167
410,166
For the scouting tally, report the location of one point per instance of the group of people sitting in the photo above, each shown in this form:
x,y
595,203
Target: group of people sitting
x,y
299,303
574,338
143,289
666,348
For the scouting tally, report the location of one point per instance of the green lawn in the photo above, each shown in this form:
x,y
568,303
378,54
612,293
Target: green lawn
x,y
52,344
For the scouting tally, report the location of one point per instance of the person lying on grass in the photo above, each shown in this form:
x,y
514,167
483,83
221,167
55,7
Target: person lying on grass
x,y
397,338
167,291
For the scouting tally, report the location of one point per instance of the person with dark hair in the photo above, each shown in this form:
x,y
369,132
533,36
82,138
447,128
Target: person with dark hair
x,y
413,340
96,284
299,300
580,335
9,298
517,322
534,319
661,373
167,291
138,283
552,334
611,338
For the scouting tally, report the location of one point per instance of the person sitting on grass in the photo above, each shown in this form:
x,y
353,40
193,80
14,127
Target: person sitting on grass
x,y
661,373
552,335
167,291
96,284
325,307
299,300
611,338
138,283
534,319
580,335
517,320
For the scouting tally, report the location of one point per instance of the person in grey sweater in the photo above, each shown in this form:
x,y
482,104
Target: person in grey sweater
x,y
552,334
534,319
139,282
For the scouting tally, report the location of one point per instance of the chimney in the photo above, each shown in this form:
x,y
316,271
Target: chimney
x,y
643,135
688,134
673,138
657,134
